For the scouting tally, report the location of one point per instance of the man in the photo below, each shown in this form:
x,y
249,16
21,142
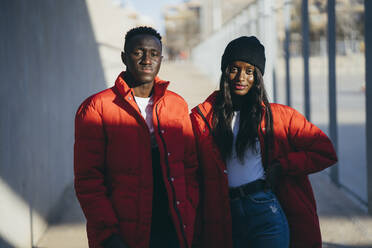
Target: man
x,y
134,156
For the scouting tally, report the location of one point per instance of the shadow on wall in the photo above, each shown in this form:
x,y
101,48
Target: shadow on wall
x,y
49,65
4,244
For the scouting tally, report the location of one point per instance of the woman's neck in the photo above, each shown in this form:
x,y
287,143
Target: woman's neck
x,y
237,102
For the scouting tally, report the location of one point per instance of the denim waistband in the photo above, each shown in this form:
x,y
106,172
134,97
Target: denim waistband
x,y
246,189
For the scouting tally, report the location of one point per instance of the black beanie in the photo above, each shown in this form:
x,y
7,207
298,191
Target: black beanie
x,y
247,49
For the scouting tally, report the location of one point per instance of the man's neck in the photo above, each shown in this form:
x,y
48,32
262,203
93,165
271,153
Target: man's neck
x,y
139,89
143,90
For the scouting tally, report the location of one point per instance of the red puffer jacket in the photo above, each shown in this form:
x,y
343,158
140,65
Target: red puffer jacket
x,y
113,167
301,148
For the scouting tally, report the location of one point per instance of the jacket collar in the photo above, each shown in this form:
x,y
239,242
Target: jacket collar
x,y
160,86
207,106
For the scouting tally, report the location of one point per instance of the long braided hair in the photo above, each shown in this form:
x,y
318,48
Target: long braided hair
x,y
251,113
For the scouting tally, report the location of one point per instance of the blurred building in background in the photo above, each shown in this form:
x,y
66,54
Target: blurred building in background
x,y
182,28
189,22
216,13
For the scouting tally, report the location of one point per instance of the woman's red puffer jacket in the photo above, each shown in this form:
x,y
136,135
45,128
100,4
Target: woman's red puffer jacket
x,y
301,147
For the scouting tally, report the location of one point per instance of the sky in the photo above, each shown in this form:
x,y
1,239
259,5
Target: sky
x,y
151,8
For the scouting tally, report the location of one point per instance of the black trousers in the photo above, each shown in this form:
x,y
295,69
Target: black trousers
x,y
163,233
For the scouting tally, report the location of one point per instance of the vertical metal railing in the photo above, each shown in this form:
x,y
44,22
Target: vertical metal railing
x,y
287,55
305,54
332,83
368,56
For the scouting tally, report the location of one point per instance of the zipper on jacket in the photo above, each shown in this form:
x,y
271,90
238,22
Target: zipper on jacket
x,y
170,183
205,119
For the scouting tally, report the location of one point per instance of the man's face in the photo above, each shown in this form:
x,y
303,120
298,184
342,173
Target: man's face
x,y
143,58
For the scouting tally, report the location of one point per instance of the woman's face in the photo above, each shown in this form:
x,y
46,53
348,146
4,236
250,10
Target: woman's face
x,y
241,77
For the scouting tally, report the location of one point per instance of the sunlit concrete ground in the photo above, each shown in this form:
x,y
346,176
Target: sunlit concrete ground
x,y
344,223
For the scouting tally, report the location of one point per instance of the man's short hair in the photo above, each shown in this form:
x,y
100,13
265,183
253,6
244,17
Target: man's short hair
x,y
140,30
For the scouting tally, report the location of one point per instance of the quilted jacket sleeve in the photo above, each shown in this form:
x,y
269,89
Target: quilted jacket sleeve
x,y
89,157
311,150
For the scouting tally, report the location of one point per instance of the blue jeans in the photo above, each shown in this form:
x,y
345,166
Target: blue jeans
x,y
259,221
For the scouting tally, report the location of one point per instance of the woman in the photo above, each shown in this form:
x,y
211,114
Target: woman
x,y
250,149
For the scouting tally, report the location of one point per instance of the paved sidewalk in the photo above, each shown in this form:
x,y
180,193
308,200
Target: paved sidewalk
x,y
344,223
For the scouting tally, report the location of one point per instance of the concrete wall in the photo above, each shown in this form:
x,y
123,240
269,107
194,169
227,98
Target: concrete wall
x,y
49,62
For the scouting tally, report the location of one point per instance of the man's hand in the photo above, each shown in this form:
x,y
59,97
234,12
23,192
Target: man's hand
x,y
273,174
114,241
